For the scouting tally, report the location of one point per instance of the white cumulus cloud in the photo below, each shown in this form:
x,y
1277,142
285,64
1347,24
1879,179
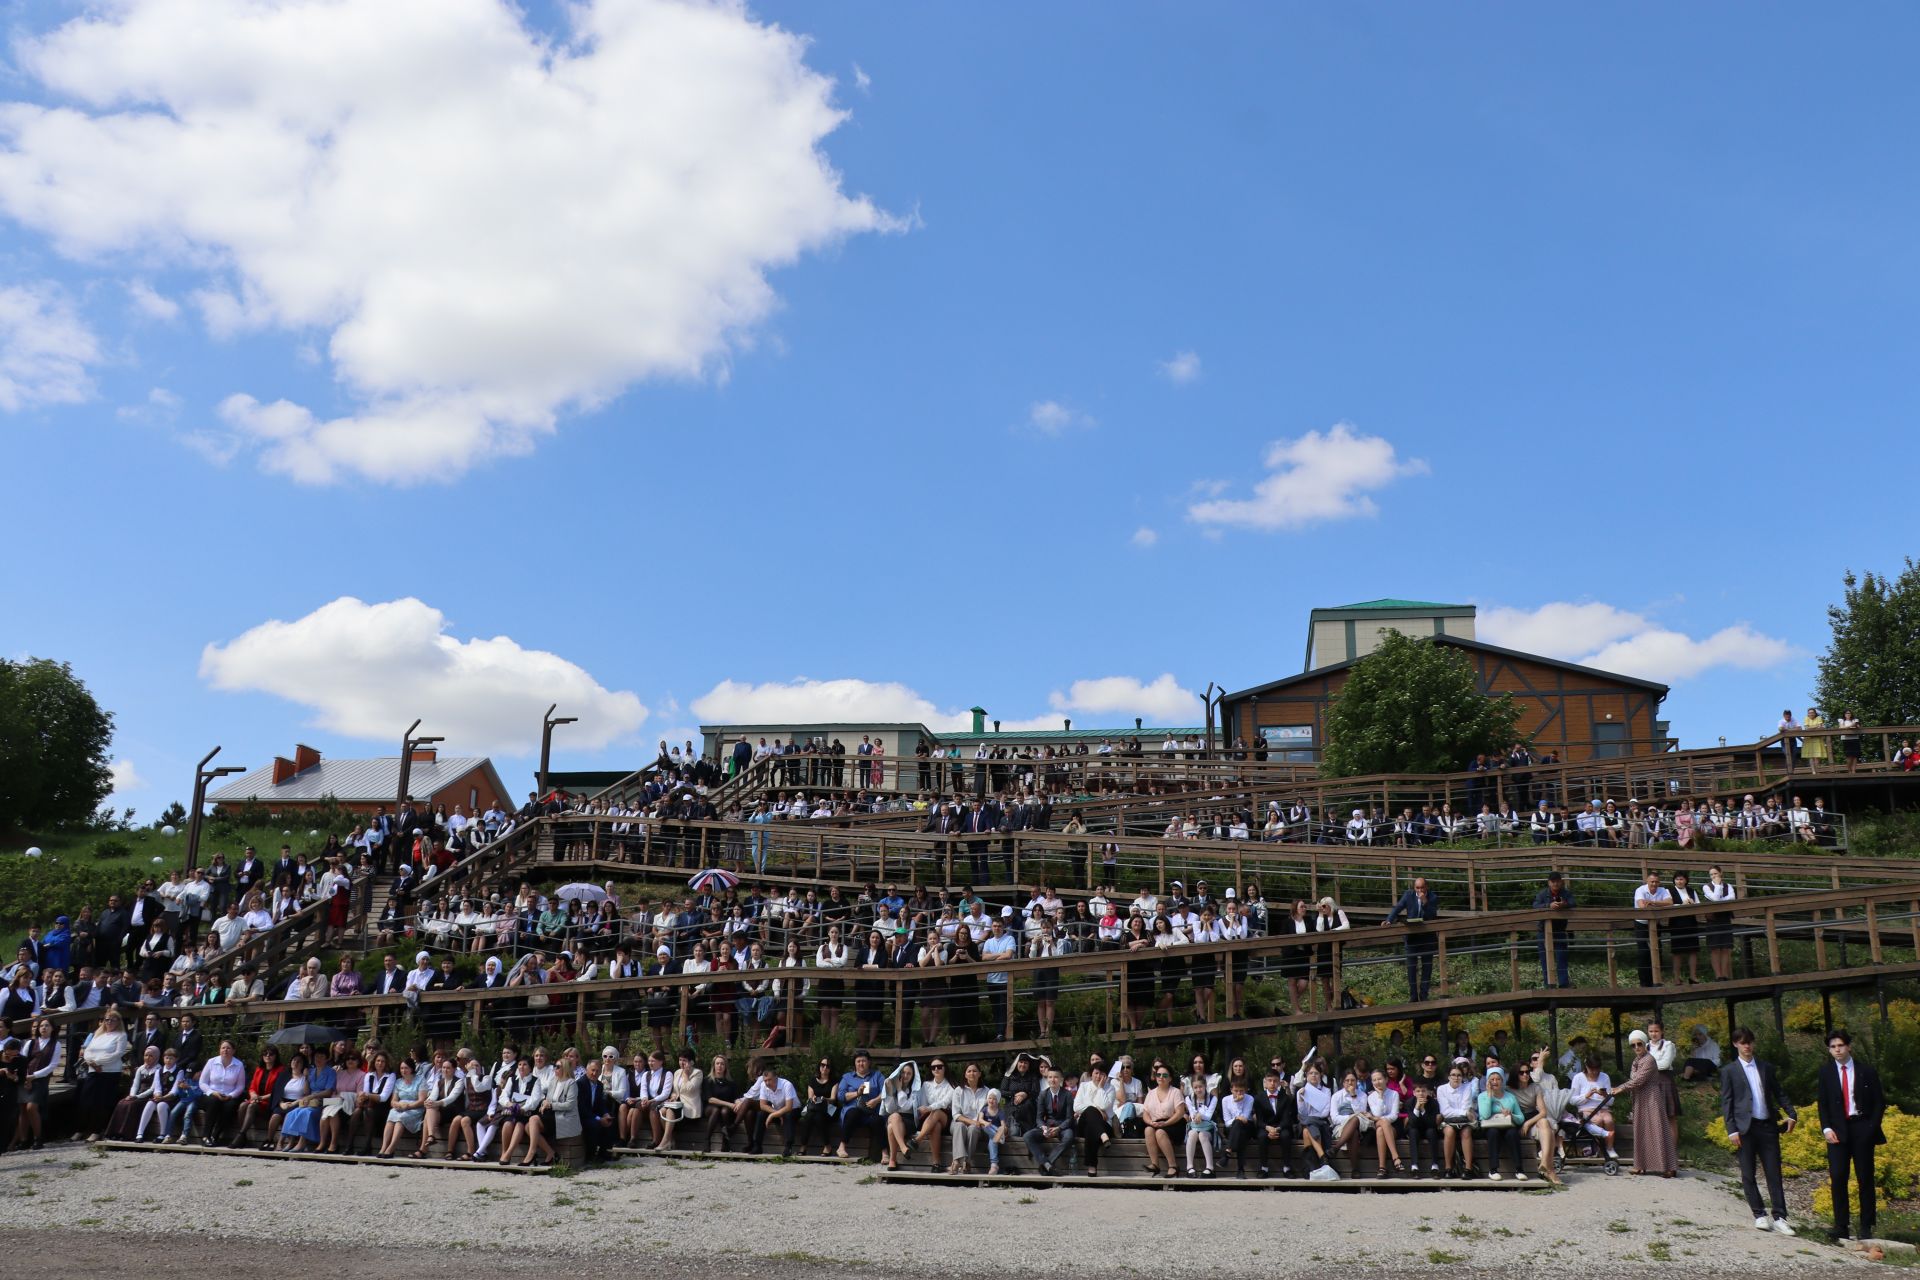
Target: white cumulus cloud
x,y
486,227
1316,477
1052,418
809,701
1182,369
854,701
125,777
1614,639
367,669
1163,700
45,348
1144,537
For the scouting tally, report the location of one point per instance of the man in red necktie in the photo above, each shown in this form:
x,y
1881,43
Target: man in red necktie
x,y
1851,1106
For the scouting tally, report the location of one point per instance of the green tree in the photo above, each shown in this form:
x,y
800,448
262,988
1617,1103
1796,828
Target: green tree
x,y
53,747
1872,664
1414,707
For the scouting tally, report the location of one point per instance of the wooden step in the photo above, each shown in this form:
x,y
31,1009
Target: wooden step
x,y
1221,1182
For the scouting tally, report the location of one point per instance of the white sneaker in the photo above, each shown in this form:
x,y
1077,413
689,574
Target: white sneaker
x,y
1495,1175
1433,1168
1763,1223
1784,1227
1519,1177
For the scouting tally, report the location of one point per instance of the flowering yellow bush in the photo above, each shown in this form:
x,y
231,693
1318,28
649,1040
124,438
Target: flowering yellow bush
x,y
1804,1151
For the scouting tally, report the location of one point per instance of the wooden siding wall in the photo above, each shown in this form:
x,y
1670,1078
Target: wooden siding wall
x,y
1558,709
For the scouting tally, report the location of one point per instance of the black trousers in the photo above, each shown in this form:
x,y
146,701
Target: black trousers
x,y
1093,1130
757,1130
220,1113
1419,970
1427,1128
1506,1138
1760,1152
1854,1151
1242,1134
1643,943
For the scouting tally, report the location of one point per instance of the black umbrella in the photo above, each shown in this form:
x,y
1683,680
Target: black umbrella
x,y
306,1033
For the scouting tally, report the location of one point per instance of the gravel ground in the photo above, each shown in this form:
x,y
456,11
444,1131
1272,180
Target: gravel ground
x,y
72,1210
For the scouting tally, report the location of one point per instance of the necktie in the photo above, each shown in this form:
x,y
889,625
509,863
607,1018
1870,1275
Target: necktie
x,y
1846,1086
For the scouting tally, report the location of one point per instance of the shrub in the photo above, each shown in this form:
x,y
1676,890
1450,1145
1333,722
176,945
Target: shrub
x,y
111,848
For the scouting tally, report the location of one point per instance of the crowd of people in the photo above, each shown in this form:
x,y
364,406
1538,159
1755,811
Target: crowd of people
x,y
1457,1114
755,946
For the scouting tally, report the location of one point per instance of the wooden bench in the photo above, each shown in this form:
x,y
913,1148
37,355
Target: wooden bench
x,y
1127,1158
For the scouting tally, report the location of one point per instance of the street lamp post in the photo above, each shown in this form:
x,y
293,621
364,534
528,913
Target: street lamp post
x,y
407,743
547,724
201,777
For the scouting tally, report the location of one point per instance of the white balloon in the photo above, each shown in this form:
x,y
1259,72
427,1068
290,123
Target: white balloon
x,y
168,832
286,833
34,852
314,832
156,858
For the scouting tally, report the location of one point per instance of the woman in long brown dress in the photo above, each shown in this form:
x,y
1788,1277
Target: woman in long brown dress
x,y
1654,1140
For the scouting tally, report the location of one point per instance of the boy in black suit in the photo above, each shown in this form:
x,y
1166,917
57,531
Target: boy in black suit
x,y
1851,1106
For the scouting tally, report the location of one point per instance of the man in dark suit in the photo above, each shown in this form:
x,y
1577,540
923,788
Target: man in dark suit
x,y
1851,1106
1751,1105
1275,1117
1417,906
1052,1133
596,1113
186,1045
391,980
980,820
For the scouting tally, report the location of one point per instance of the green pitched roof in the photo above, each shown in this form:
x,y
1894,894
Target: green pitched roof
x,y
1397,605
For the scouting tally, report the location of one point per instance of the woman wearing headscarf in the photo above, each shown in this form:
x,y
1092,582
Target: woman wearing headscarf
x,y
1654,1141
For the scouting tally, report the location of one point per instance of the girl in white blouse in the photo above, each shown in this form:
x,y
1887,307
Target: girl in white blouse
x,y
1347,1117
1203,1114
1383,1106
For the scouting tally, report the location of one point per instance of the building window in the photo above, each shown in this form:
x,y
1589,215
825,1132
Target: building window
x,y
1290,743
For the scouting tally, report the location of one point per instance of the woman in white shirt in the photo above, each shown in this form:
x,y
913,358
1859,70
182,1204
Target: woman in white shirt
x,y
1314,1103
833,955
1347,1117
684,1101
652,1086
900,1103
1203,1114
517,1102
1093,1116
1587,1089
1719,925
1329,917
1383,1108
1455,1100
969,1131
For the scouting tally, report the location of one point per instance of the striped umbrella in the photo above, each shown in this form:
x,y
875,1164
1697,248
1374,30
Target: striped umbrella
x,y
712,880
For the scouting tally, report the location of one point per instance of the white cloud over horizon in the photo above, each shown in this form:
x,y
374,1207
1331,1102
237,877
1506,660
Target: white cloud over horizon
x,y
125,778
854,701
365,669
1614,639
45,348
1313,478
1182,369
1145,537
485,228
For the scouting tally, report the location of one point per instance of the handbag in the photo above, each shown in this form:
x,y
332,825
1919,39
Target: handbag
x,y
1498,1120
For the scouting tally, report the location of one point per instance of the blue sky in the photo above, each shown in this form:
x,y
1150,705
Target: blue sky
x,y
1616,303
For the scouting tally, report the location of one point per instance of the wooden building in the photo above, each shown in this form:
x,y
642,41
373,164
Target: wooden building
x,y
1577,711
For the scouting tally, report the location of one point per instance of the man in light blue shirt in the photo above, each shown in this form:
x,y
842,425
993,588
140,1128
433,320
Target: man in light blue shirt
x,y
998,945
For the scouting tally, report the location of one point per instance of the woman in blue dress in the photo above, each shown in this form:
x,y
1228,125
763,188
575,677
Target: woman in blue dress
x,y
409,1107
299,1123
